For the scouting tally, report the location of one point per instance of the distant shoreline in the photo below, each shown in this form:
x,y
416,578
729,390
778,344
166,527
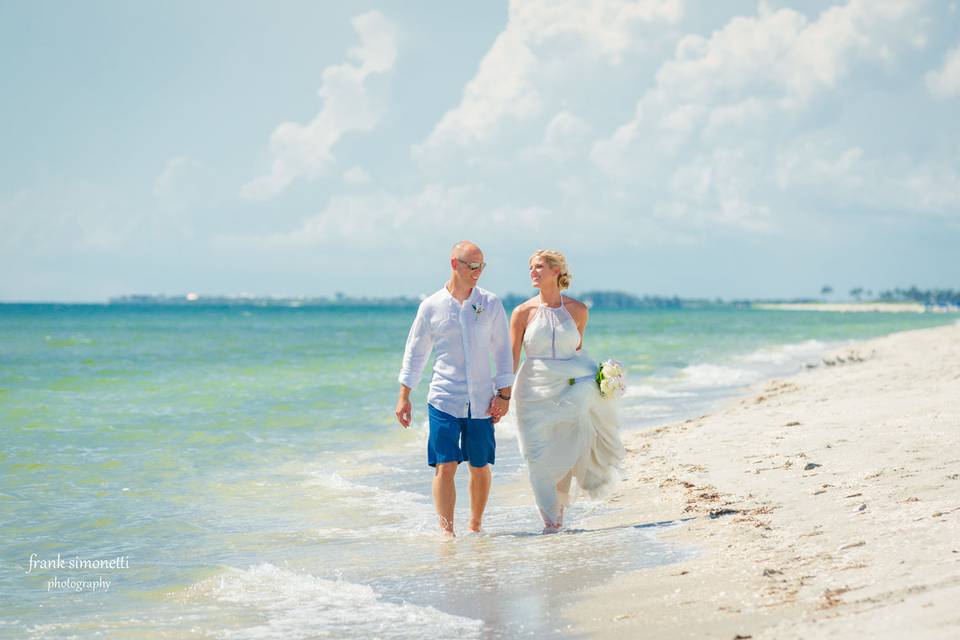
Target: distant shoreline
x,y
606,300
852,307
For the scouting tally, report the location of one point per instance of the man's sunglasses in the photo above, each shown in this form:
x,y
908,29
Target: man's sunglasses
x,y
473,265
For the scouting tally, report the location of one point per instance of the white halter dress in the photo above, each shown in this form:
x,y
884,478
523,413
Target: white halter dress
x,y
566,432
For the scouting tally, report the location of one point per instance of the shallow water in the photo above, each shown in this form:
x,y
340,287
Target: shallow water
x,y
245,463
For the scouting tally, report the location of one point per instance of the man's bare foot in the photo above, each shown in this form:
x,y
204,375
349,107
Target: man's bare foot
x,y
446,527
475,527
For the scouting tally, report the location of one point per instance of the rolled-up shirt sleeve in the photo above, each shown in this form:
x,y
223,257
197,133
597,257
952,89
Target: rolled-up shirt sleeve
x,y
500,345
417,350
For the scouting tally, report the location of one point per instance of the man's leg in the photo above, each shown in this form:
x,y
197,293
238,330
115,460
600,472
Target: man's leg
x,y
479,487
443,453
445,494
479,448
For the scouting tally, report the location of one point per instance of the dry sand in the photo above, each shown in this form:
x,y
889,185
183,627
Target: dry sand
x,y
841,489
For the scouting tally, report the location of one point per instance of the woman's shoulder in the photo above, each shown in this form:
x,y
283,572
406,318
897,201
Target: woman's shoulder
x,y
573,304
524,308
577,310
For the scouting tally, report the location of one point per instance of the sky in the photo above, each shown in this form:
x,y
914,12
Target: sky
x,y
703,149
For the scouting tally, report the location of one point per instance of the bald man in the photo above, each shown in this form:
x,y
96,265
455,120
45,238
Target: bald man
x,y
464,325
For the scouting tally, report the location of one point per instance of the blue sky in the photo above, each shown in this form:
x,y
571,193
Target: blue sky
x,y
734,149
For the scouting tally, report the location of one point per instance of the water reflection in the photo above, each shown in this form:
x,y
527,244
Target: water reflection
x,y
519,583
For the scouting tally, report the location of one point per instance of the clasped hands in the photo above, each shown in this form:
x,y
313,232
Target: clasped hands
x,y
499,407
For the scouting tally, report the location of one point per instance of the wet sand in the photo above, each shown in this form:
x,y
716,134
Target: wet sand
x,y
824,505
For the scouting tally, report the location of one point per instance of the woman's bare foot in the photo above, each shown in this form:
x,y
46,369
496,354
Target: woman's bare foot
x,y
549,526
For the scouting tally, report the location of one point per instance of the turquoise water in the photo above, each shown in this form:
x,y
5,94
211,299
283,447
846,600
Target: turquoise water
x,y
245,462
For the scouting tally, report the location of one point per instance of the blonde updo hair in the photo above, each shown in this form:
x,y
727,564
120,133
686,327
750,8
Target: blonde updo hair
x,y
556,260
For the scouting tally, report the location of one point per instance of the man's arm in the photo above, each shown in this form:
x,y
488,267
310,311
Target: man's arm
x,y
403,406
415,354
503,361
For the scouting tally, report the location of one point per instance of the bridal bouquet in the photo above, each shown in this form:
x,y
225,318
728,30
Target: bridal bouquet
x,y
609,377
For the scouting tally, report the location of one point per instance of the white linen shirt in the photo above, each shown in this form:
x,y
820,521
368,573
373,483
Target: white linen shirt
x,y
465,338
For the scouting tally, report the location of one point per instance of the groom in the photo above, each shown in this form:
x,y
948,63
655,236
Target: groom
x,y
464,325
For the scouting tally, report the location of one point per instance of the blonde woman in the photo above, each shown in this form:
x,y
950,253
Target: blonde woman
x,y
567,433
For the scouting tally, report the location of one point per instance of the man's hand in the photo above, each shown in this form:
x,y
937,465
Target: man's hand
x,y
403,410
498,408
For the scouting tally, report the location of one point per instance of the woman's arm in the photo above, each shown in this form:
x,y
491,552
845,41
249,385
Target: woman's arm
x,y
580,314
518,326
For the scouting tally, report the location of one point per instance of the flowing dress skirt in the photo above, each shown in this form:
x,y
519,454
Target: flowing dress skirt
x,y
568,434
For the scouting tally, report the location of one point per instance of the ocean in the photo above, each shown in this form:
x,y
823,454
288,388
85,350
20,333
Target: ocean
x,y
237,472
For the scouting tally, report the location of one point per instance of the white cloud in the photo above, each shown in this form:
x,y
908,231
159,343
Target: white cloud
x,y
564,138
934,187
305,150
356,176
564,128
65,217
180,176
529,218
738,115
816,164
540,38
715,187
732,132
945,81
370,221
755,68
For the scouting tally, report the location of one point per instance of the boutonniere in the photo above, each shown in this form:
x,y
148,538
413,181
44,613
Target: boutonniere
x,y
477,310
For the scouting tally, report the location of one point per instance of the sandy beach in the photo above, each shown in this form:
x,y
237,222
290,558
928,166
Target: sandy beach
x,y
825,505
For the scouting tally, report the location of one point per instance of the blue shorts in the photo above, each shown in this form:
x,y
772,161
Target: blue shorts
x,y
455,439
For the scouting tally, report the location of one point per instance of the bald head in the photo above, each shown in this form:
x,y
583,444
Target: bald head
x,y
463,248
466,265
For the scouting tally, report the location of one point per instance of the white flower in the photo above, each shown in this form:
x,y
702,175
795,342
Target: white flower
x,y
606,387
611,368
611,379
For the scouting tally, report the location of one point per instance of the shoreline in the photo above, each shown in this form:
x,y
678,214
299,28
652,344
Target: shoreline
x,y
851,307
834,492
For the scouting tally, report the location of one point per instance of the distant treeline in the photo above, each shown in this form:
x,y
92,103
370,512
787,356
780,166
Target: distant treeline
x,y
934,297
191,299
620,300
596,299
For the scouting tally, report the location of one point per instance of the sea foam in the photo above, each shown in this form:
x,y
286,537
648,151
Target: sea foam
x,y
280,603
700,376
787,353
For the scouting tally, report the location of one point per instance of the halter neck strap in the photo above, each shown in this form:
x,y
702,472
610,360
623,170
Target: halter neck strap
x,y
562,305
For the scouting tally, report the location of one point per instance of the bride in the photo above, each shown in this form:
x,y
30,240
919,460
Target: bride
x,y
567,432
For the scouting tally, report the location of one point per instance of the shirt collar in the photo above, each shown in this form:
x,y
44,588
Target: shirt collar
x,y
449,296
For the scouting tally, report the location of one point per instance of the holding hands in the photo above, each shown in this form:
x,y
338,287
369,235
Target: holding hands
x,y
499,404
